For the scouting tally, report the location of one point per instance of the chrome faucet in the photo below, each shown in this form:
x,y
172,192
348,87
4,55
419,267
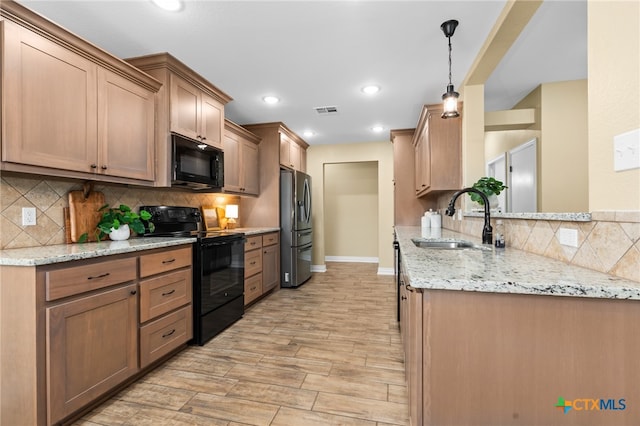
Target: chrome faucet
x,y
487,231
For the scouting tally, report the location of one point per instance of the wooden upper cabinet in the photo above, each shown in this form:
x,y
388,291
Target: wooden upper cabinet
x,y
241,160
438,152
195,114
291,153
51,91
72,109
126,124
188,105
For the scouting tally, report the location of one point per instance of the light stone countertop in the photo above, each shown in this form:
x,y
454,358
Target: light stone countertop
x,y
564,217
505,270
45,255
253,231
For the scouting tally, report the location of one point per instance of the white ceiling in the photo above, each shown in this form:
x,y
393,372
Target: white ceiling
x,y
321,53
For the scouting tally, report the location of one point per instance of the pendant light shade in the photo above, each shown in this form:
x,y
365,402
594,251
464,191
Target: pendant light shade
x,y
450,99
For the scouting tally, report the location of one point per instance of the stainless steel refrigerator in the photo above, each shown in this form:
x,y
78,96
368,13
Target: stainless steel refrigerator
x,y
295,222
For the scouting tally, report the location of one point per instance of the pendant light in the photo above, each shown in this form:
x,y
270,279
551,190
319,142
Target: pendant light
x,y
450,99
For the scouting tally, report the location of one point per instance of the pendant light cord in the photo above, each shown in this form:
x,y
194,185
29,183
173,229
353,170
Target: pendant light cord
x,y
449,60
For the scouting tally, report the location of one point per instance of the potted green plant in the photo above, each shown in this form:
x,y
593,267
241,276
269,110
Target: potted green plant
x,y
118,222
491,187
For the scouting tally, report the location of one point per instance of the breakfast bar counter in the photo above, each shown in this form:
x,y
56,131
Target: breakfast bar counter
x,y
486,342
502,270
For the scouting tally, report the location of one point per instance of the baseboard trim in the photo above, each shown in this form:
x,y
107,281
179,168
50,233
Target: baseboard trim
x,y
352,259
386,271
318,268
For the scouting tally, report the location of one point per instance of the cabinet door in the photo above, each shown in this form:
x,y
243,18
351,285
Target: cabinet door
x,y
232,163
249,160
423,160
270,267
285,151
126,120
185,108
414,354
211,121
92,345
50,103
294,155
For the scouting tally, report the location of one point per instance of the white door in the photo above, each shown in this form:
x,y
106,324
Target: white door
x,y
497,169
523,178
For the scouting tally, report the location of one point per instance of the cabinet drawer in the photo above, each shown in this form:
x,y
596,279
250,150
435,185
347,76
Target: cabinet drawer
x,y
270,239
163,335
156,263
73,280
252,288
253,243
164,293
252,262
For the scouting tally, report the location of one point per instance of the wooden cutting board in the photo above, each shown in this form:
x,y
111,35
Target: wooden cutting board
x,y
83,213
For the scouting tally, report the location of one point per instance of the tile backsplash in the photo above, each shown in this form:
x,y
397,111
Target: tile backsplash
x,y
609,243
49,197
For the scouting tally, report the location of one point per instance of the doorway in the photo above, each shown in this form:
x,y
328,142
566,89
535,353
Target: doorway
x,y
351,211
523,179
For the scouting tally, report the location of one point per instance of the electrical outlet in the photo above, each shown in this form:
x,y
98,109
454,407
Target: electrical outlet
x,y
568,237
28,216
626,154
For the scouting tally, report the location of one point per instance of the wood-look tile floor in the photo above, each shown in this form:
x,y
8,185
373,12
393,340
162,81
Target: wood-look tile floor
x,y
327,353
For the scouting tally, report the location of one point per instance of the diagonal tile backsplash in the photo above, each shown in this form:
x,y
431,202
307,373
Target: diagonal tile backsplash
x,y
49,197
609,243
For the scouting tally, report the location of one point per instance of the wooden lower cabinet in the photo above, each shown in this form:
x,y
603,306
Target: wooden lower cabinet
x,y
481,358
270,267
92,345
261,265
72,332
163,335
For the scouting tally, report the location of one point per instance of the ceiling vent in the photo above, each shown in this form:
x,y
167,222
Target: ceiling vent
x,y
327,110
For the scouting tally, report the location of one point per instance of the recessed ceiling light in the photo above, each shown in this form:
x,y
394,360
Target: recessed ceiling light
x,y
377,129
170,5
309,133
370,90
271,99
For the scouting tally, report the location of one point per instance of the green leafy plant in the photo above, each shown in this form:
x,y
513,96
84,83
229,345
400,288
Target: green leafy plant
x,y
488,186
113,217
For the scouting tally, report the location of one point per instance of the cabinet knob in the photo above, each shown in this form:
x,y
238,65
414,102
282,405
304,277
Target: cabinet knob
x,y
133,292
94,166
403,297
103,167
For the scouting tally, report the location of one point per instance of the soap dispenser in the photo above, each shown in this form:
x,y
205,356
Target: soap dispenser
x,y
425,221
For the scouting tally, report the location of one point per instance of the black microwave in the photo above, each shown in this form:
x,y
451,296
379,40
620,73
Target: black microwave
x,y
196,165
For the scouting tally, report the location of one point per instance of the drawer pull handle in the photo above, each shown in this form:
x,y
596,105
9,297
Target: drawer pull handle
x,y
169,292
253,243
164,262
253,288
169,333
106,274
253,263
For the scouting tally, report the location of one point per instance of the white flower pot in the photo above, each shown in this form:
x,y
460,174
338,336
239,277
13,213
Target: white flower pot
x,y
120,234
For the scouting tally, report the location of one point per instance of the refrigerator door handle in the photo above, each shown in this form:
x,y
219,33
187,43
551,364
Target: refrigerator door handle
x,y
307,201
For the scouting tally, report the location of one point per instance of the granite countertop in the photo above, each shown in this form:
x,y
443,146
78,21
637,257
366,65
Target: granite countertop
x,y
45,255
253,231
504,270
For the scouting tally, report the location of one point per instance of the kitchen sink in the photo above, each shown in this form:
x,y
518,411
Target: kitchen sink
x,y
448,245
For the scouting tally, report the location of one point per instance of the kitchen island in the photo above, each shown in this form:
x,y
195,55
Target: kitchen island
x,y
501,336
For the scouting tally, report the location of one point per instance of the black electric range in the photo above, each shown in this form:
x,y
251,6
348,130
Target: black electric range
x,y
218,268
